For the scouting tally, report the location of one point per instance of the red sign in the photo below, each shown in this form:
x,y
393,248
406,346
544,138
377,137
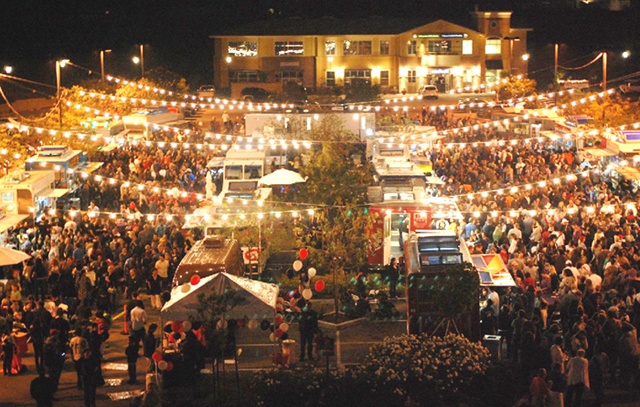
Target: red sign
x,y
250,255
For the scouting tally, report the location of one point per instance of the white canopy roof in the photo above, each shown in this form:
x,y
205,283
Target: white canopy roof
x,y
259,298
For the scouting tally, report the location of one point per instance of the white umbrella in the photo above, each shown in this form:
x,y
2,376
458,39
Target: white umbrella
x,y
9,257
282,177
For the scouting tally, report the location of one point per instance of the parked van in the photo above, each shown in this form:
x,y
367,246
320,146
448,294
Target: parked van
x,y
207,92
429,92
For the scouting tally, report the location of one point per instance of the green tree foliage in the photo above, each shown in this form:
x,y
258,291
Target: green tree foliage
x,y
515,87
360,90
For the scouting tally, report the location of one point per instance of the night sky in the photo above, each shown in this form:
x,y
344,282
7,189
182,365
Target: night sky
x,y
36,32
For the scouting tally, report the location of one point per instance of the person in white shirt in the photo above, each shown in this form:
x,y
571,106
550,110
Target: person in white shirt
x,y
577,378
78,345
138,320
163,269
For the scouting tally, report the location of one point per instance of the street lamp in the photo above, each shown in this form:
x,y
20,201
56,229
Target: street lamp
x,y
140,60
8,69
59,64
102,52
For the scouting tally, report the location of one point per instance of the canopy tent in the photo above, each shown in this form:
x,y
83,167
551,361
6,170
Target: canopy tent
x,y
10,257
259,298
282,177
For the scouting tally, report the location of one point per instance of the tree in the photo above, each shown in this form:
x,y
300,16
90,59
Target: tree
x,y
337,181
515,87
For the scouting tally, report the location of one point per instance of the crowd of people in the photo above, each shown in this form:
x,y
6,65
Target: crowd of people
x,y
573,248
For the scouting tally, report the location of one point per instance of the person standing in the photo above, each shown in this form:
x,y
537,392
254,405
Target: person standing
x,y
8,349
42,389
577,378
558,386
154,284
131,352
393,275
138,320
78,345
308,326
598,371
539,389
162,265
39,330
90,377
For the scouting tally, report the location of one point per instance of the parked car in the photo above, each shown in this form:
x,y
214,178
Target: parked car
x,y
256,95
429,92
631,87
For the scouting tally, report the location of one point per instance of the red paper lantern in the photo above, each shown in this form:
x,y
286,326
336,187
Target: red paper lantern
x,y
169,366
279,333
304,253
195,279
278,319
157,357
320,285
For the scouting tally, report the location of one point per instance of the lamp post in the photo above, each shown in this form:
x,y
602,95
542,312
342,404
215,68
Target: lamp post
x,y
140,60
228,60
102,52
59,64
556,46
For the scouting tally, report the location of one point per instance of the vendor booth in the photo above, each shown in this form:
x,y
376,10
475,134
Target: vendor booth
x,y
492,271
257,303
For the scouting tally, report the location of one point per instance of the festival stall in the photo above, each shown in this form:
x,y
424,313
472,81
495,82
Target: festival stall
x,y
492,271
256,302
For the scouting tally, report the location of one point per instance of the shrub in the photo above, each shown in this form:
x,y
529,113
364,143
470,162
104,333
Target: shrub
x,y
421,367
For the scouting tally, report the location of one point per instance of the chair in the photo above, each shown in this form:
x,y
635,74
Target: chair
x,y
225,361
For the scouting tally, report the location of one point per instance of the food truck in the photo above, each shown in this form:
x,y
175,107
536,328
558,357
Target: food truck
x,y
211,255
29,193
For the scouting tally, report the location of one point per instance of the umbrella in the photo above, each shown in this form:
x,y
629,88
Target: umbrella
x,y
9,257
282,177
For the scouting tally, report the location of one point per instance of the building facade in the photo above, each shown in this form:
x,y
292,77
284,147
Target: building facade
x,y
439,53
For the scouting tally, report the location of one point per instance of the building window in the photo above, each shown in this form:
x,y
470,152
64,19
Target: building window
x,y
285,48
493,46
439,47
356,48
242,49
290,76
361,74
412,47
467,47
331,78
384,78
330,47
245,76
384,47
411,76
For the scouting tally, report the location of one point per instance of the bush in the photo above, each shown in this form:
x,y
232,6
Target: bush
x,y
421,367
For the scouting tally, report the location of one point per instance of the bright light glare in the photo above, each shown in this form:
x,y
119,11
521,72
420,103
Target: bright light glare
x,y
135,60
8,69
626,54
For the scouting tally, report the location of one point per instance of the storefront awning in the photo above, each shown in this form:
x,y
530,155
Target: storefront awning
x,y
598,152
495,64
10,221
54,193
628,173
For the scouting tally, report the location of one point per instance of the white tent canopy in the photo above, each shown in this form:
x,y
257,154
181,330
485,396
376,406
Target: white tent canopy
x,y
282,177
259,298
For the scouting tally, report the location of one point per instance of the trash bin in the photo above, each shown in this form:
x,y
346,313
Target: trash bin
x,y
492,342
289,352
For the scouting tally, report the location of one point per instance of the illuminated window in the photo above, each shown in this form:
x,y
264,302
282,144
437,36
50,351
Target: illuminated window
x,y
439,47
357,74
411,76
356,48
286,48
384,47
242,49
467,47
330,47
384,78
412,47
493,46
331,78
